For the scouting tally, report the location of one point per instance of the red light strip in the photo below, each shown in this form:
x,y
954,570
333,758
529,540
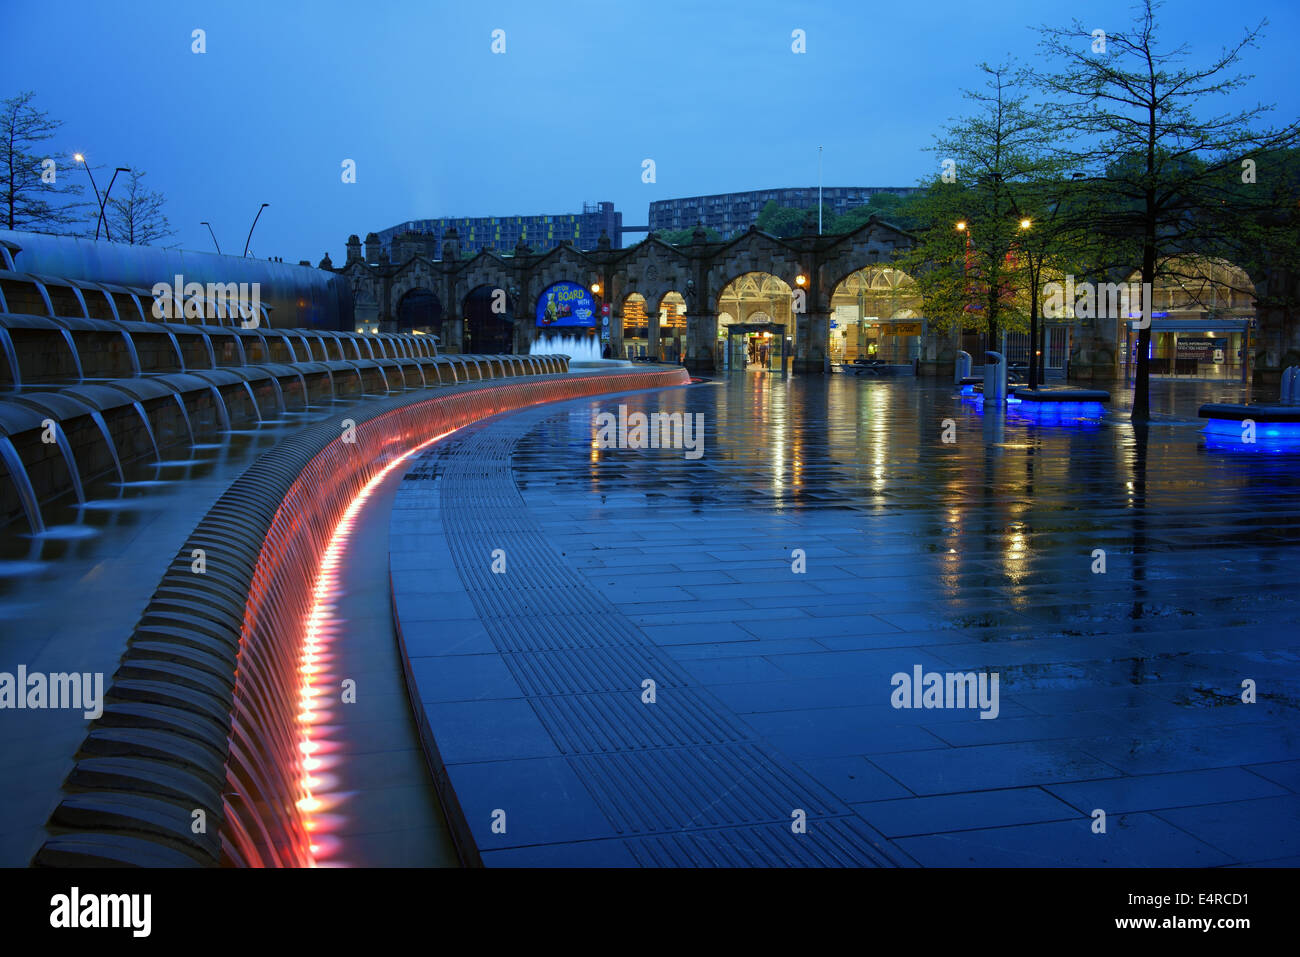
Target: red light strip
x,y
317,632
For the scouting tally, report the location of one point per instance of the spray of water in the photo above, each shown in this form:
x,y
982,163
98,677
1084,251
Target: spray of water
x,y
586,349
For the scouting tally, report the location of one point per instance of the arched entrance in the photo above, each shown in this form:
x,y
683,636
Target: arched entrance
x,y
758,331
636,326
875,314
420,311
1203,314
672,327
489,321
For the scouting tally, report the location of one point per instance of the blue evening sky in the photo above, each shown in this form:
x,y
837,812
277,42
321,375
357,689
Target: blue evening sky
x,y
440,126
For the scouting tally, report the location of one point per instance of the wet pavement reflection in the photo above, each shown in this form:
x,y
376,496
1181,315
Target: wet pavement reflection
x,y
1126,584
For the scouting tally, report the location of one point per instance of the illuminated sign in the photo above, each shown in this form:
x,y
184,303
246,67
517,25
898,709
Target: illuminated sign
x,y
566,304
1198,348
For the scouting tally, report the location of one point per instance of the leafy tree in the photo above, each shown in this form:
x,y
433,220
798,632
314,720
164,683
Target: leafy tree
x,y
782,221
1164,172
137,216
28,199
890,207
971,256
678,237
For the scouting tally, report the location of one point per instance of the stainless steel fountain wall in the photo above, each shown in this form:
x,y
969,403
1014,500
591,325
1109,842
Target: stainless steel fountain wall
x,y
119,391
204,711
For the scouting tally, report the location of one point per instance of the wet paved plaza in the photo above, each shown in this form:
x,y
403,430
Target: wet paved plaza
x,y
827,541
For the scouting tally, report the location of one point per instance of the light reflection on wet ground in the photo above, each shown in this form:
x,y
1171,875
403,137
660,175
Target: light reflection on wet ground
x,y
1119,690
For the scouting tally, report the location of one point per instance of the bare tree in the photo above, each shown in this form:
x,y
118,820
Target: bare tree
x,y
137,216
35,191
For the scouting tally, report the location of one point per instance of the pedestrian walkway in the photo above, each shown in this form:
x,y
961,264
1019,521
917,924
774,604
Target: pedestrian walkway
x,y
1119,691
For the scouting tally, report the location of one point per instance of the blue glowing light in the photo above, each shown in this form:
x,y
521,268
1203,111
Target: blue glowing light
x,y
1063,408
1277,431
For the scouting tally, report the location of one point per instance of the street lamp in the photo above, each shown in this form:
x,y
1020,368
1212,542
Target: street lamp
x,y
213,235
103,216
1035,355
82,160
254,226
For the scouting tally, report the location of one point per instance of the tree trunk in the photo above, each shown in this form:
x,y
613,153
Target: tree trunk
x,y
1033,330
1142,368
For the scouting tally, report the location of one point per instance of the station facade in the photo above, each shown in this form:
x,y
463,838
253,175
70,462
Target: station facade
x,y
818,301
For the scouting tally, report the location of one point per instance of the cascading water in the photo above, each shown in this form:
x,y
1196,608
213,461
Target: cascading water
x,y
148,428
180,356
135,356
279,395
11,356
223,415
18,475
212,356
76,358
306,398
253,399
98,419
180,403
73,472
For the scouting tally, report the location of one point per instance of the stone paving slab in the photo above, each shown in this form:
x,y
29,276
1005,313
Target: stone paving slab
x,y
1118,691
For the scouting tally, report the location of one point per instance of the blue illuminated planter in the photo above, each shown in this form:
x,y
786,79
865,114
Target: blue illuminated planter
x,y
1277,427
1056,403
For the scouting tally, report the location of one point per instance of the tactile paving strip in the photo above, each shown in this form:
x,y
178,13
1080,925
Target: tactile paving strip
x,y
684,782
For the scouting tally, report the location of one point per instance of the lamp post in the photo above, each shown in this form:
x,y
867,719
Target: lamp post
x,y
213,235
819,191
82,160
103,216
254,226
1035,358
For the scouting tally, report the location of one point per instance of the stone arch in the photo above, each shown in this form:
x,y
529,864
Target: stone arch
x,y
489,313
873,244
416,274
419,308
1202,308
875,313
653,268
754,252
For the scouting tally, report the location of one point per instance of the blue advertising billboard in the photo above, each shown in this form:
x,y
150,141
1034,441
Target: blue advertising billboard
x,y
566,304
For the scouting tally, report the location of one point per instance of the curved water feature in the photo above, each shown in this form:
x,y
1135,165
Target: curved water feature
x,y
269,541
144,420
583,352
22,482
